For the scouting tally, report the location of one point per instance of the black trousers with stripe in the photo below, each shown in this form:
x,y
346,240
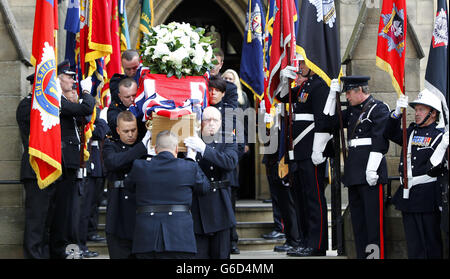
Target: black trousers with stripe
x,y
366,209
308,192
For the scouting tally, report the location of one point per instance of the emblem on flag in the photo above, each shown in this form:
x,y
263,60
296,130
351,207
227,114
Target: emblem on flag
x,y
46,98
256,24
440,32
325,10
393,29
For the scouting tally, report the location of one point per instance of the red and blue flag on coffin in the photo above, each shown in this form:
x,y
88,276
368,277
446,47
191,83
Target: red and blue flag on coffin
x,y
170,97
45,131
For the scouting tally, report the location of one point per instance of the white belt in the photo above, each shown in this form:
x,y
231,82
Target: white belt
x,y
358,142
300,137
303,117
416,180
94,143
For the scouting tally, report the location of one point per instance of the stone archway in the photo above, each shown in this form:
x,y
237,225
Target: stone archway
x,y
235,9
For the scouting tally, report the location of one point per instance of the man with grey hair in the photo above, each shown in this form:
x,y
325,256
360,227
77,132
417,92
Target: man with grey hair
x,y
213,213
365,168
164,187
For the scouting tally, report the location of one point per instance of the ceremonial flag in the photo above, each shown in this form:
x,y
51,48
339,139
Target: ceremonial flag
x,y
252,68
391,42
146,20
113,61
95,33
72,26
45,132
282,46
123,21
318,39
436,75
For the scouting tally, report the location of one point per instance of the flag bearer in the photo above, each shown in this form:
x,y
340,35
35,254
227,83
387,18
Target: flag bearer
x,y
310,136
421,201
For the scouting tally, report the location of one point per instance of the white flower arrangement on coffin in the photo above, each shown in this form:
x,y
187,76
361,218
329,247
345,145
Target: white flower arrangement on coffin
x,y
177,49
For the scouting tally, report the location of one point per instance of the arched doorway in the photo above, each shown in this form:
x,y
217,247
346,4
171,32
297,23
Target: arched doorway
x,y
211,16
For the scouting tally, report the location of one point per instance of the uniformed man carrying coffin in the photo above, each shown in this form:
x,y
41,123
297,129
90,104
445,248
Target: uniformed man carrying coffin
x,y
365,169
421,201
118,156
213,213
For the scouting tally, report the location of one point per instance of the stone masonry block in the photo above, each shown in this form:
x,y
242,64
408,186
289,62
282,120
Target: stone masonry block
x,y
9,137
11,195
8,106
11,225
427,12
10,170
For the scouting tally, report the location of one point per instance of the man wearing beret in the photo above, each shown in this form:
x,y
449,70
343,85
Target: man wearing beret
x,y
365,168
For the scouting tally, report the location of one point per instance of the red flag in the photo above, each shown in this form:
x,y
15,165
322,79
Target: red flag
x,y
95,32
113,61
391,42
45,132
282,48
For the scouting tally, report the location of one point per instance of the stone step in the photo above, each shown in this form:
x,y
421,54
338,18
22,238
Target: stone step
x,y
257,243
253,229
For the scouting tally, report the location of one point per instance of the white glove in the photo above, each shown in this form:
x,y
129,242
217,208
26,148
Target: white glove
x,y
402,102
288,72
439,153
191,153
372,167
319,144
147,138
86,84
330,105
58,86
196,144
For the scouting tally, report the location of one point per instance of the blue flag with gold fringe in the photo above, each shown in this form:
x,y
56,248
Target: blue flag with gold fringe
x,y
252,67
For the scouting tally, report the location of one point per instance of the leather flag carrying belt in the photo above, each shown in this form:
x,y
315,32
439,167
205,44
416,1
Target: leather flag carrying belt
x,y
169,208
219,185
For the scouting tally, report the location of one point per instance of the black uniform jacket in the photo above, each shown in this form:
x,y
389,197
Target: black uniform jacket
x,y
373,115
23,120
70,139
213,212
424,197
165,180
95,166
118,159
308,101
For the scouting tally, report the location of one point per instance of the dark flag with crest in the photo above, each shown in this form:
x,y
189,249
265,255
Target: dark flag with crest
x,y
318,38
252,68
437,68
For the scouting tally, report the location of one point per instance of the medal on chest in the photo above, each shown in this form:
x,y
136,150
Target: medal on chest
x,y
421,141
303,97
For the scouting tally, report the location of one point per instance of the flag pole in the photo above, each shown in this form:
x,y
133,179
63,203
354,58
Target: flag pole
x,y
404,145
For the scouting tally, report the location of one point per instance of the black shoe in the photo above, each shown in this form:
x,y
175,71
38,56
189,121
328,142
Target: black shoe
x,y
234,249
274,235
89,254
309,252
295,250
267,201
282,248
104,202
96,238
